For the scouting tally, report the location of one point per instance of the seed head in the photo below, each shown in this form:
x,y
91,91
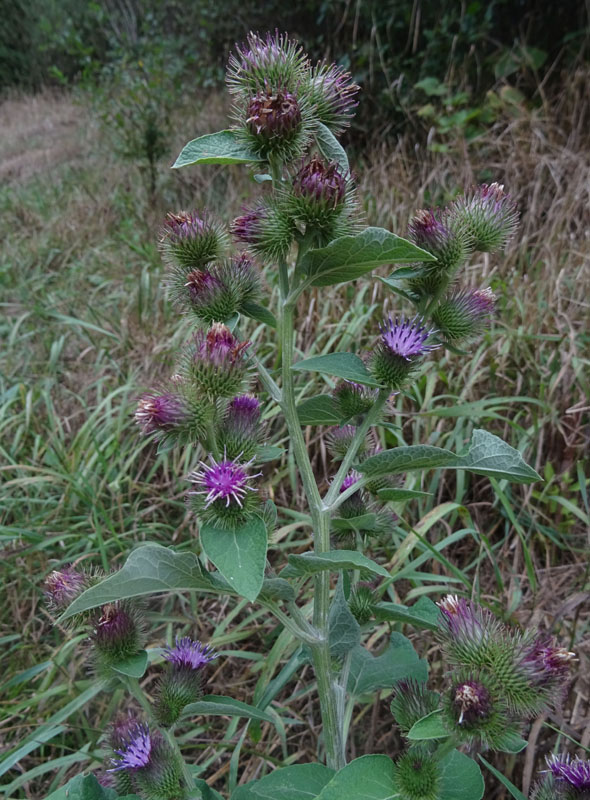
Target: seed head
x,y
465,313
332,95
321,183
488,215
118,634
340,439
402,345
63,586
266,227
417,774
437,233
362,602
471,701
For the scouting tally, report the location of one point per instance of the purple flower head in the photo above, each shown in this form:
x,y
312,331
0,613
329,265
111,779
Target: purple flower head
x,y
63,586
136,752
350,480
249,228
185,225
243,412
333,94
471,701
573,772
406,338
122,727
225,480
320,182
203,286
275,114
273,60
464,313
428,230
189,654
115,624
160,412
545,662
219,347
489,216
463,620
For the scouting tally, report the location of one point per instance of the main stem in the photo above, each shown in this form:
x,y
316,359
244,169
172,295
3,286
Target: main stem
x,y
326,680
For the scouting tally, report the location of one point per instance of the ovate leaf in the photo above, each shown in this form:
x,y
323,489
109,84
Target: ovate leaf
x,y
429,727
344,630
366,778
369,673
148,570
134,666
487,455
239,554
423,614
342,365
350,257
333,561
298,782
224,147
320,410
461,778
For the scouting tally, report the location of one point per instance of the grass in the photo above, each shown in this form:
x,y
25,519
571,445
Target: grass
x,y
86,325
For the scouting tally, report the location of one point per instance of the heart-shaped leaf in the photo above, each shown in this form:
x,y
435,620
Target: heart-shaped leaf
x,y
342,365
333,561
224,147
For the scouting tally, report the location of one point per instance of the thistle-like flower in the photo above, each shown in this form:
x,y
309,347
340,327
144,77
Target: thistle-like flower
x,y
275,124
417,774
222,494
216,362
464,314
402,345
261,62
412,701
332,95
571,775
181,681
362,602
322,198
190,240
118,634
239,430
152,767
488,215
441,236
340,439
160,413
266,228
63,586
353,398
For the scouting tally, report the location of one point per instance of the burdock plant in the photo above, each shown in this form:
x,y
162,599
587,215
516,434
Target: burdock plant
x,y
303,232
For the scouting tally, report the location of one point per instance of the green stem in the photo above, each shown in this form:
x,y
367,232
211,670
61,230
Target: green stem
x,y
359,437
304,634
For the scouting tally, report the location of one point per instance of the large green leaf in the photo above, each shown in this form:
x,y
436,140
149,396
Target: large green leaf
x,y
220,706
366,522
423,614
86,787
319,410
330,147
342,365
400,660
334,560
429,727
350,257
224,147
298,782
366,778
344,630
150,569
239,554
461,778
487,455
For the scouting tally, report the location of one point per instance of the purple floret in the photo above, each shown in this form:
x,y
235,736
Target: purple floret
x,y
135,752
406,337
574,772
188,653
